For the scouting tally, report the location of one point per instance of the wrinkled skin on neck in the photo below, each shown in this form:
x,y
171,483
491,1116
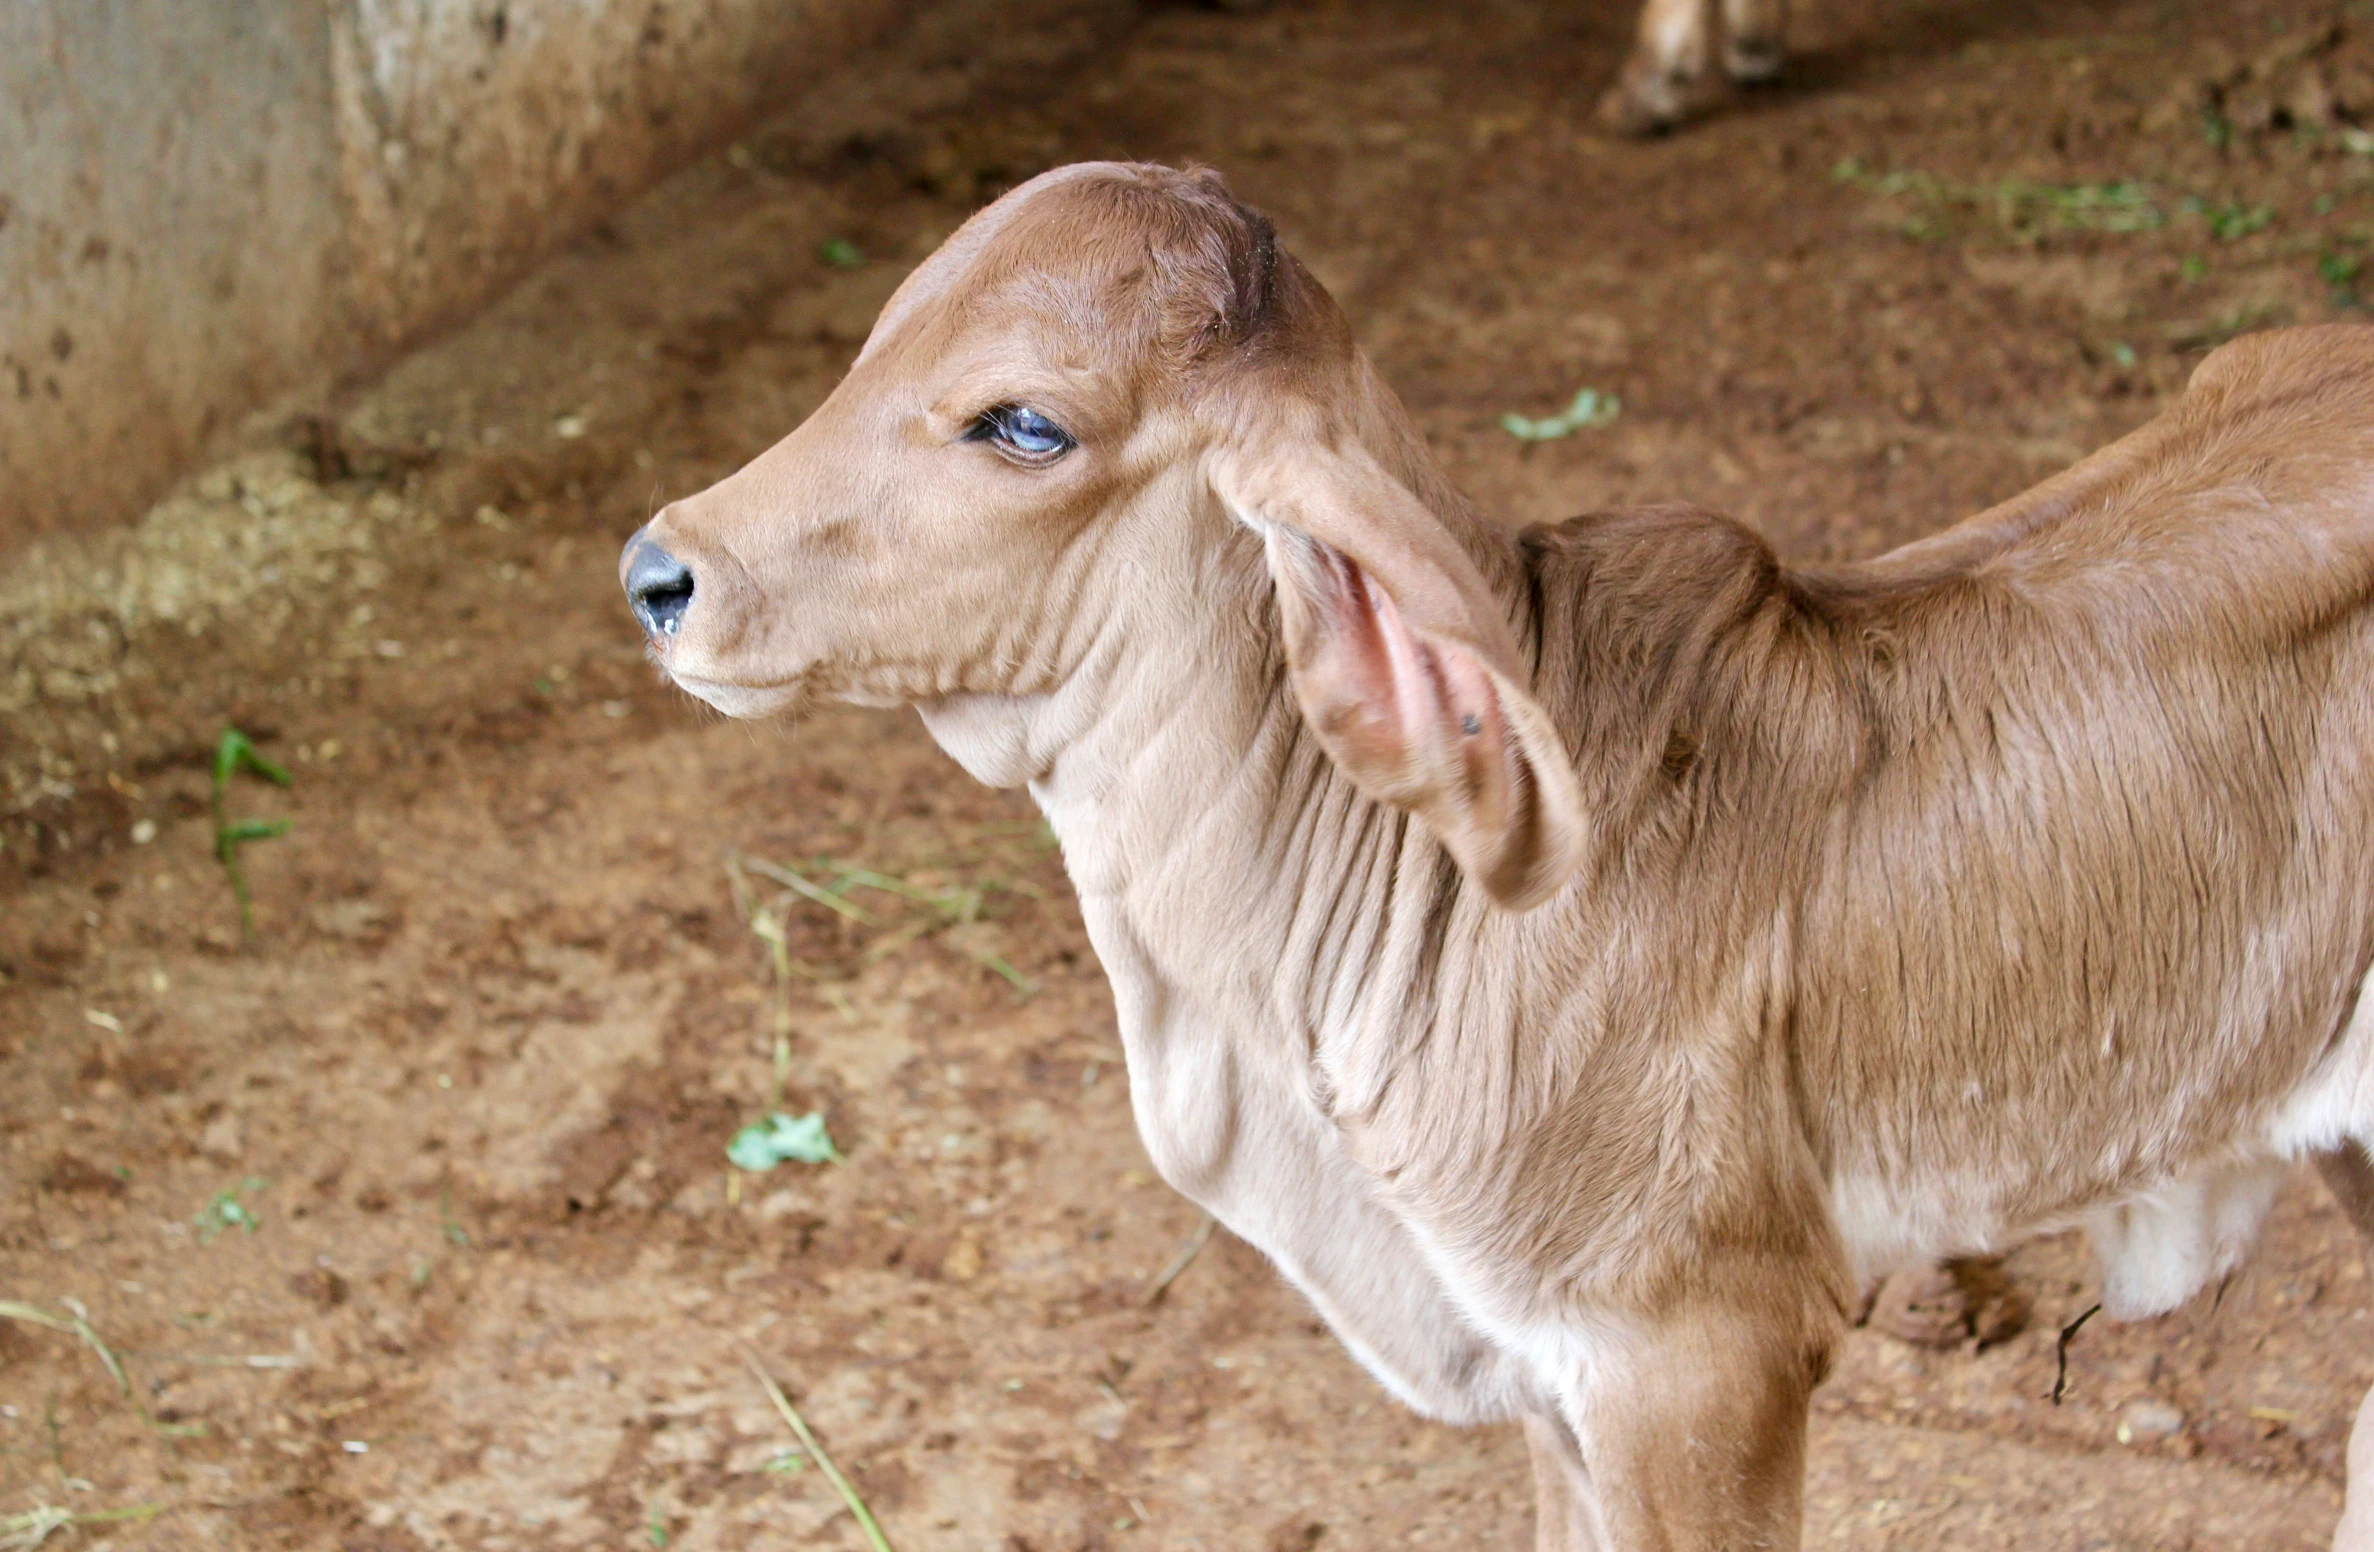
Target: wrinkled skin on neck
x,y
1105,629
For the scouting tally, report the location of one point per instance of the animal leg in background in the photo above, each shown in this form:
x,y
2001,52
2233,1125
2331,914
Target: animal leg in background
x,y
1670,75
1755,39
1664,80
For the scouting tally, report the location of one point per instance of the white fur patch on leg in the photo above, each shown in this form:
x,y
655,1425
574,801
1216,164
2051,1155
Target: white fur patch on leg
x,y
2159,1249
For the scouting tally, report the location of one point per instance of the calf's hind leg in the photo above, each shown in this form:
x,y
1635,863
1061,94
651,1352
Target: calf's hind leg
x,y
2349,1175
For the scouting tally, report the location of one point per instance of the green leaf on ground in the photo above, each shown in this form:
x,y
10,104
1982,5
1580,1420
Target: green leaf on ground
x,y
1590,408
779,1139
227,1211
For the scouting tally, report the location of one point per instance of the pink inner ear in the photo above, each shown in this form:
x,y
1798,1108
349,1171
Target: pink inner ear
x,y
1419,716
1425,710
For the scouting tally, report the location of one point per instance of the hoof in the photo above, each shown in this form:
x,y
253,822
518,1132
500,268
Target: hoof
x,y
1754,61
1636,114
1649,99
1949,1304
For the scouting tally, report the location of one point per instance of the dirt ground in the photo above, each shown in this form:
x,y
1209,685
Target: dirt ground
x,y
409,1222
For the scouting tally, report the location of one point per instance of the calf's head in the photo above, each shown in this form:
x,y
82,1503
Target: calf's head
x,y
1078,401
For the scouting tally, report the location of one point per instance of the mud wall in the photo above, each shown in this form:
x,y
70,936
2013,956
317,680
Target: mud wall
x,y
204,205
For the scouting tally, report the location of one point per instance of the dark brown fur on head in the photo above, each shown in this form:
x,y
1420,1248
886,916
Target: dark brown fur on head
x,y
1221,267
1213,260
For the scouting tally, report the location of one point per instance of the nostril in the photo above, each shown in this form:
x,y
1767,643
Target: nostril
x,y
659,586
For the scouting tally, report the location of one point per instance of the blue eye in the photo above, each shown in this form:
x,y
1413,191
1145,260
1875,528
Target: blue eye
x,y
1022,431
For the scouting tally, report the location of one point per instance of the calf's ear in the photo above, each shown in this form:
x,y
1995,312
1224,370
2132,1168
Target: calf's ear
x,y
1404,666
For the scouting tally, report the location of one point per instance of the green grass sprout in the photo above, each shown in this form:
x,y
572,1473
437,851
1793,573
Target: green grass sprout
x,y
832,1473
236,753
2339,271
996,965
22,1532
943,907
74,1323
2231,221
448,1224
2026,209
828,898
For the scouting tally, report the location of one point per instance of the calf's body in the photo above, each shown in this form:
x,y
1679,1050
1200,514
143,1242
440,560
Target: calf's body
x,y
1577,957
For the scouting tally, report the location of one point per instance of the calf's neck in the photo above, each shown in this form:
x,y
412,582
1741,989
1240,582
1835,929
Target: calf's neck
x,y
1577,957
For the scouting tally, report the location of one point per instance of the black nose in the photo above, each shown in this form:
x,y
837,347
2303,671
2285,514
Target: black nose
x,y
658,585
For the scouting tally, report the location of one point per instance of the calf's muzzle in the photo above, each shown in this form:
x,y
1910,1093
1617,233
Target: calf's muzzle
x,y
658,586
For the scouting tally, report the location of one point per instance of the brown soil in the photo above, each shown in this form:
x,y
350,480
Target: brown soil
x,y
473,1079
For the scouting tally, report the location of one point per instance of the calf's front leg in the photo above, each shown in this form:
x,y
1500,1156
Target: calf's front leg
x,y
1692,1425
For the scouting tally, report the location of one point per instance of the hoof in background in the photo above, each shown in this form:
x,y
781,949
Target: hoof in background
x,y
1948,1304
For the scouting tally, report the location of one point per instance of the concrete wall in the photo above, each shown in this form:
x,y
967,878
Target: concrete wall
x,y
204,203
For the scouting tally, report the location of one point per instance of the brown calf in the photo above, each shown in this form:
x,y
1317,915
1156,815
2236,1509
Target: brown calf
x,y
1576,958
